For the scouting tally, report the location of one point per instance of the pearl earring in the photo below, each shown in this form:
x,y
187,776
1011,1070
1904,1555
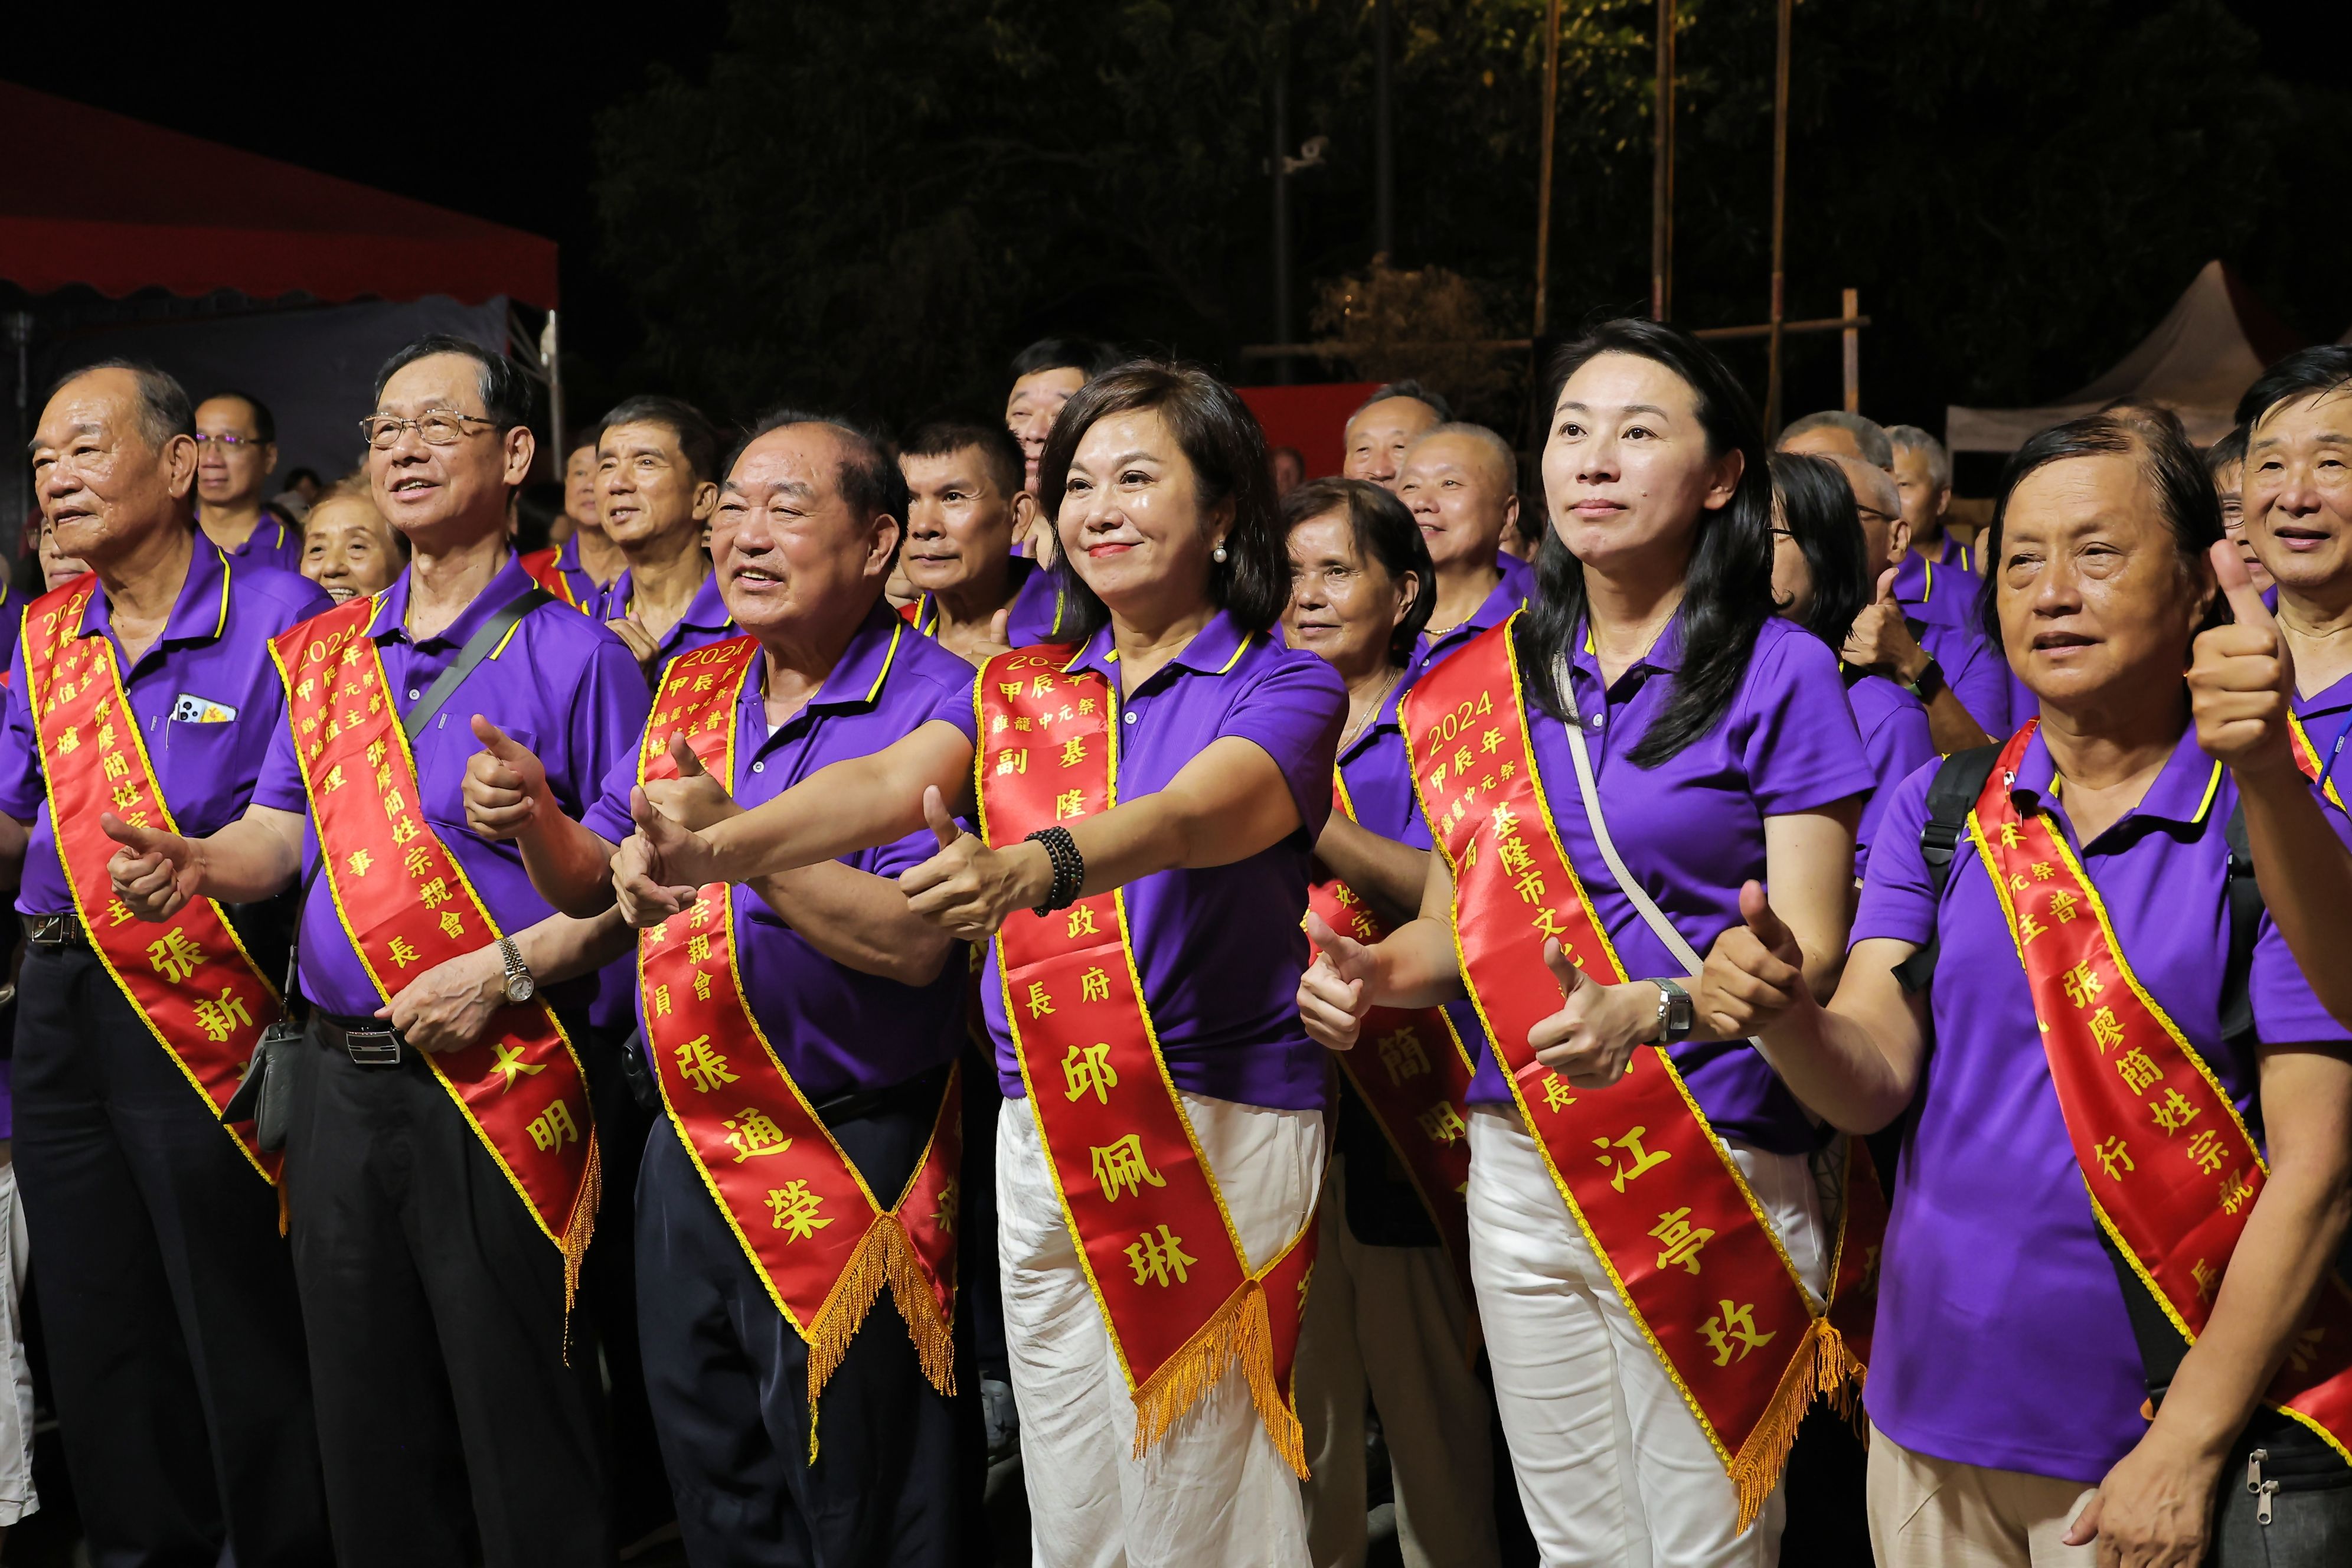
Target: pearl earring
x,y
1218,554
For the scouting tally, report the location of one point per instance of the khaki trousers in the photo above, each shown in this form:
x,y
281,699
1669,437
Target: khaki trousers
x,y
1940,1513
1391,1320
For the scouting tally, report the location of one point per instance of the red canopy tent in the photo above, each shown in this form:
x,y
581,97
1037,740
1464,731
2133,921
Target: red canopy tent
x,y
228,268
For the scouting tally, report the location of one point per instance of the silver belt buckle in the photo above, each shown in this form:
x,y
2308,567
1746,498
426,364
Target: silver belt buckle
x,y
373,1047
53,930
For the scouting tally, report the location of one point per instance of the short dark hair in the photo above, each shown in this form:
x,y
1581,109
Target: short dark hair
x,y
2306,373
869,477
2170,466
1008,470
1417,392
2142,412
1221,438
296,476
2228,450
585,435
1383,530
164,410
264,424
1064,352
506,390
1817,507
1870,439
1293,453
696,438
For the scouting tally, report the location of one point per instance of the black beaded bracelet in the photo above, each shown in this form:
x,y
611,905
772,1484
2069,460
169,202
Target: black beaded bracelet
x,y
1069,868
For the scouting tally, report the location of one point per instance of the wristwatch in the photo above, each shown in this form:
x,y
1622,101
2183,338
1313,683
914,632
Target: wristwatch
x,y
1674,1017
520,986
1929,682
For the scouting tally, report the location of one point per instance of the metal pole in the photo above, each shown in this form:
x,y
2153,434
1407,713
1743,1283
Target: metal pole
x,y
1543,175
1662,176
20,510
1780,220
550,359
1853,345
1281,171
1383,139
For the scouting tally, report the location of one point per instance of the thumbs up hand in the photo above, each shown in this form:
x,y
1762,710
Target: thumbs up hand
x,y
154,873
968,890
503,784
1592,1040
1754,974
1881,639
1336,990
661,868
2242,682
695,799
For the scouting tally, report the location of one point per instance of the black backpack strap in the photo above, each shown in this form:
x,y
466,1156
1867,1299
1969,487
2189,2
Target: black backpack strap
x,y
1951,795
2245,916
486,638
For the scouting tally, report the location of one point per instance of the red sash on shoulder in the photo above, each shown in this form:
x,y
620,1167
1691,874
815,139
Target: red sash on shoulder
x,y
407,906
194,986
770,1162
2172,1171
545,568
1179,1297
1412,1072
2307,758
1699,1266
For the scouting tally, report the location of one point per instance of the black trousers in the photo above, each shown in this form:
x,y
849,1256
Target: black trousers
x,y
167,1296
608,1288
452,1427
729,1379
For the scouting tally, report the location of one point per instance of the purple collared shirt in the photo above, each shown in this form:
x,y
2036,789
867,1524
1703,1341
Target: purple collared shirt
x,y
837,1029
213,659
2327,719
1936,591
1039,605
1975,670
706,620
13,601
560,684
585,588
1517,586
274,542
1894,726
1220,950
1692,830
2001,1336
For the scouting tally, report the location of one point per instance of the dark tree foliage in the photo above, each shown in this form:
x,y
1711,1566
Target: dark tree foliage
x,y
872,202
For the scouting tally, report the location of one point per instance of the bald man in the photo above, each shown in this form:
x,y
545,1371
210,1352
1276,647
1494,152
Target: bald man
x,y
1461,484
1948,665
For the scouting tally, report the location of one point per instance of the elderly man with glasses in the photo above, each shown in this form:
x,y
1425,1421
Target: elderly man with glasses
x,y
237,451
443,1162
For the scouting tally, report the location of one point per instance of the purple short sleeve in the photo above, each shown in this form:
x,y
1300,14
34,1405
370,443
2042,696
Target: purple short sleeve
x,y
1294,712
1976,671
1803,751
280,784
20,758
1898,899
2285,1010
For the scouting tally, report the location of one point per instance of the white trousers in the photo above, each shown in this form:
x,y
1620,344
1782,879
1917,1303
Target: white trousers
x,y
1212,1493
17,1497
1613,1467
1391,1320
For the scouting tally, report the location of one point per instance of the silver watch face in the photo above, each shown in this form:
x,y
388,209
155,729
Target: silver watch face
x,y
519,986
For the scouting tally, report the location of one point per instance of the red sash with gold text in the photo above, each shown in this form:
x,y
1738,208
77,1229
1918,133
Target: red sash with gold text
x,y
194,985
1663,1206
807,1219
407,906
2307,758
1409,1070
545,567
1178,1295
2172,1171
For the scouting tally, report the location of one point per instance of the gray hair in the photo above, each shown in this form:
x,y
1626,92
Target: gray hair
x,y
1498,451
1433,399
1868,434
1911,438
164,410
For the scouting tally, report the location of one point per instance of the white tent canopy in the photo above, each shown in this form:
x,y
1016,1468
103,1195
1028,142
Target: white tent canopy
x,y
2198,362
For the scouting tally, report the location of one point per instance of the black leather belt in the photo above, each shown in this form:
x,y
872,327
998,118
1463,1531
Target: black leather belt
x,y
920,1093
56,932
369,1042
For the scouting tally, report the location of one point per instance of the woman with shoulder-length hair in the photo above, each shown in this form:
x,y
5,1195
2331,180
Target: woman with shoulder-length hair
x,y
1148,802
1601,774
1390,1315
2101,1303
1822,580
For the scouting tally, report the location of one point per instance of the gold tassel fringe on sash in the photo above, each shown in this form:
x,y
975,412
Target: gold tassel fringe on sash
x,y
886,1256
1237,1331
1822,1368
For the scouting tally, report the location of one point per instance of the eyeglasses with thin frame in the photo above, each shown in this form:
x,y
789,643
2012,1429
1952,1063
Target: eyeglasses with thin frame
x,y
231,443
442,427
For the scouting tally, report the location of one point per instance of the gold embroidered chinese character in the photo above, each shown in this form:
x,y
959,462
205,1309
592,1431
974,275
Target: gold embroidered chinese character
x,y
1441,1124
2206,1152
402,954
1159,1262
173,956
2173,1112
553,1128
1122,1170
2139,1073
795,1207
750,1134
509,1062
1094,985
220,1019
1401,1055
1679,1240
1631,1143
1040,1004
1731,1332
2114,1157
1088,1068
701,1066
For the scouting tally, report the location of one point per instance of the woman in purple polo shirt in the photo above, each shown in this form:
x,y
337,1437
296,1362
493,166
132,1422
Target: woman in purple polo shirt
x,y
2046,1061
1172,554
1819,582
1721,749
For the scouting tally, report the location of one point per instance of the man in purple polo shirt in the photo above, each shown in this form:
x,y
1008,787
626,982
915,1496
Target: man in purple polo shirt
x,y
859,999
439,1346
965,512
1461,484
1383,426
656,487
174,1335
236,450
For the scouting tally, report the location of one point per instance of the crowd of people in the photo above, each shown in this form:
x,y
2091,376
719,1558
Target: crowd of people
x,y
1064,938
